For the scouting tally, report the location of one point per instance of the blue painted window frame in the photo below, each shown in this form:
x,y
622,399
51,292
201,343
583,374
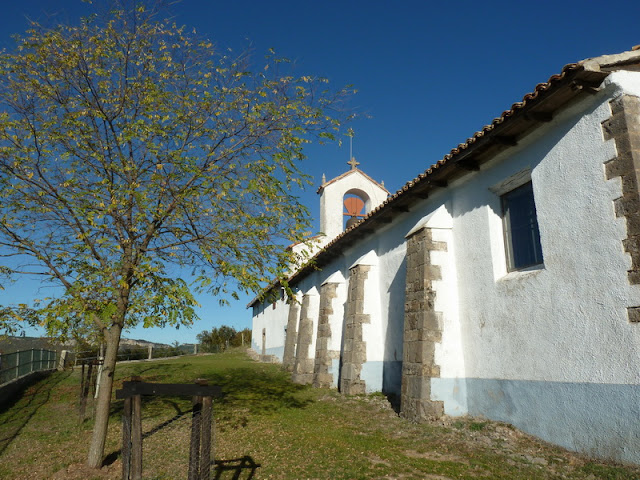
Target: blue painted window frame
x,y
521,231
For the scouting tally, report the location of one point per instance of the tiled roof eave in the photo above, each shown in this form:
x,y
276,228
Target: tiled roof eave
x,y
535,109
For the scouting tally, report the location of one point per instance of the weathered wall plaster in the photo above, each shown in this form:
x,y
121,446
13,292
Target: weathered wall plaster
x,y
550,349
557,326
271,320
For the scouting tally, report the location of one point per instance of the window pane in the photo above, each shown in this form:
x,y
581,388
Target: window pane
x,y
522,236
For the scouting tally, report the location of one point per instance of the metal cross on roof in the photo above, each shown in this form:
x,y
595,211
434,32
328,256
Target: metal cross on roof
x,y
353,163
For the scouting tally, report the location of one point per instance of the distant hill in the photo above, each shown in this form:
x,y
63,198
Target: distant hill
x,y
13,344
141,343
10,344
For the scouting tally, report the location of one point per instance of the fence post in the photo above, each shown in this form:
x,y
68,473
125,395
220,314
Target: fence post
x,y
96,385
205,444
81,381
63,359
85,385
132,436
194,448
126,439
200,448
136,436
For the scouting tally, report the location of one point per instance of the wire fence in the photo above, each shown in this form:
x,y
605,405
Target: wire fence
x,y
23,362
18,364
128,353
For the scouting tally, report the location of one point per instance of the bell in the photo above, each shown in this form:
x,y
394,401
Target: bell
x,y
352,221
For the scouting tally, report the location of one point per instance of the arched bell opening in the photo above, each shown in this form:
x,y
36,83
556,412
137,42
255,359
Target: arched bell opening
x,y
356,205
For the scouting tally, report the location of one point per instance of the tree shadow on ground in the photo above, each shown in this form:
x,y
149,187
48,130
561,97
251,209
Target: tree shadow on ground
x,y
235,469
156,372
255,391
258,391
244,390
113,456
34,400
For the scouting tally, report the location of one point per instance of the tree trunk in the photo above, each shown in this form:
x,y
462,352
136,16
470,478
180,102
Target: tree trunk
x,y
103,404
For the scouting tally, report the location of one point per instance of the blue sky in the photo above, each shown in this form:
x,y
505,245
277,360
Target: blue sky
x,y
428,75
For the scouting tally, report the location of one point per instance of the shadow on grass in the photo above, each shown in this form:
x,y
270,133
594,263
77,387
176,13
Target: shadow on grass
x,y
36,399
179,414
244,390
236,468
258,391
250,389
155,372
113,456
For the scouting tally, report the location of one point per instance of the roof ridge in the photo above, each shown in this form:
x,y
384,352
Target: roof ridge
x,y
349,172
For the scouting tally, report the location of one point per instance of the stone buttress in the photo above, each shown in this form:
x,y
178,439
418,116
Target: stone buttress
x,y
362,297
289,355
422,328
303,365
329,331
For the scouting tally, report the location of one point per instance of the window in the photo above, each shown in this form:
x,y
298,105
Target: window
x,y
521,233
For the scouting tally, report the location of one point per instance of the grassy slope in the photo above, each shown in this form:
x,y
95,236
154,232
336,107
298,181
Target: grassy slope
x,y
270,428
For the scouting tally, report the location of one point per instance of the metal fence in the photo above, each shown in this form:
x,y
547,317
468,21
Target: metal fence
x,y
24,362
132,352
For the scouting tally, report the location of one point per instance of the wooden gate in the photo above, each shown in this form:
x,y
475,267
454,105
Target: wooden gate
x,y
200,445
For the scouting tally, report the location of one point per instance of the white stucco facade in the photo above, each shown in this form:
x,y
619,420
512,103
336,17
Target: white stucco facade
x,y
332,193
549,348
267,319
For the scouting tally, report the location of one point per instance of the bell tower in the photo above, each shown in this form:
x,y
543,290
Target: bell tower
x,y
353,195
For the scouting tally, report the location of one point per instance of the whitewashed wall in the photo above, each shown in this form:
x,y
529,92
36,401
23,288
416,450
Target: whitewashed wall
x,y
275,323
550,349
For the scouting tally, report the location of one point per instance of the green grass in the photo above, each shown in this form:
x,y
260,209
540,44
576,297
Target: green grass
x,y
268,427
